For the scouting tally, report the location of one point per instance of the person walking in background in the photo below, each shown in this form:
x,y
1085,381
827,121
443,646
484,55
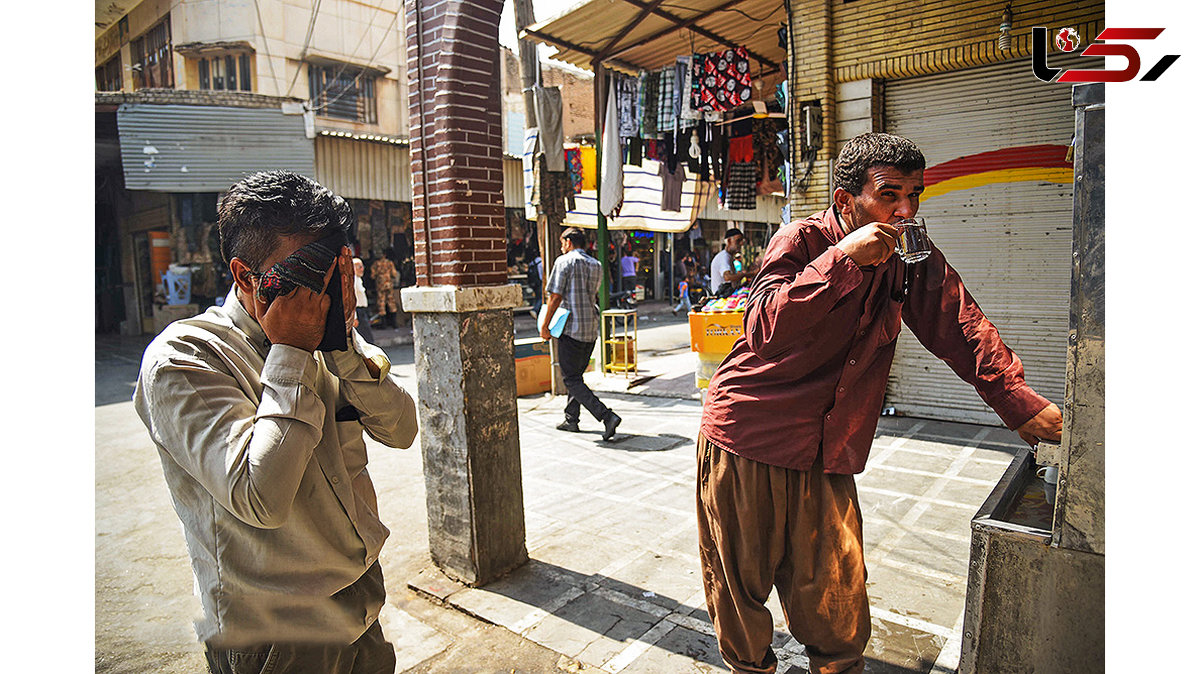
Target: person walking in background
x,y
573,283
791,412
360,308
629,270
257,409
685,300
383,272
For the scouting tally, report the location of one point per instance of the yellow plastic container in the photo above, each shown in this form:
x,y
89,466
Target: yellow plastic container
x,y
715,331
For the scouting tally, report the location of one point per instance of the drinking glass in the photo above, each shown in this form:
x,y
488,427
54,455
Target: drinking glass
x,y
913,244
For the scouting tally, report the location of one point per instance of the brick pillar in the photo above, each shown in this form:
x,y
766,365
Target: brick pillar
x,y
462,305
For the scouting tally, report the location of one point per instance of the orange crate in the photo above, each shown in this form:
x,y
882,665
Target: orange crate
x,y
715,331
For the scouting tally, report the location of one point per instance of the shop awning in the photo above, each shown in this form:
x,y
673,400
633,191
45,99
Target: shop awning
x,y
632,35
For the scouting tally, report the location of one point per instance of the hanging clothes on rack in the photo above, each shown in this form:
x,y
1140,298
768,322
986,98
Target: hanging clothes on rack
x,y
741,193
724,80
672,186
668,113
688,116
627,104
650,87
548,110
574,160
587,155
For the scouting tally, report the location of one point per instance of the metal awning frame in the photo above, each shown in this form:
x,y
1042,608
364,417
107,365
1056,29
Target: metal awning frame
x,y
610,55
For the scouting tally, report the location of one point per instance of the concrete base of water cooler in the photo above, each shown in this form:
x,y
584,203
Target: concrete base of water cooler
x,y
1031,607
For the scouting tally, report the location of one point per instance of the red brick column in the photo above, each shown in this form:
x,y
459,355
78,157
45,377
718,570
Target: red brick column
x,y
454,108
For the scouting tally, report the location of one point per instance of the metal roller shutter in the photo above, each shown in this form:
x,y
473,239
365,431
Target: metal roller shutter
x,y
186,148
1006,230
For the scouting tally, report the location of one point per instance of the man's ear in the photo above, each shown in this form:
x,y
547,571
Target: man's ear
x,y
843,201
242,276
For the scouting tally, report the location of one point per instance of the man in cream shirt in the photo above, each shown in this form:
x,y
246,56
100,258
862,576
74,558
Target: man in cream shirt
x,y
261,441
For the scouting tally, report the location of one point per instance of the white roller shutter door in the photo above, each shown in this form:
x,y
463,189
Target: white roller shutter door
x,y
1010,241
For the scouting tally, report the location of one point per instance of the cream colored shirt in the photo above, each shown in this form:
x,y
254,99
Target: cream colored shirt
x,y
277,507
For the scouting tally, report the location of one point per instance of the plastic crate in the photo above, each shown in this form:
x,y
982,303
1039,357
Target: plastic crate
x,y
714,332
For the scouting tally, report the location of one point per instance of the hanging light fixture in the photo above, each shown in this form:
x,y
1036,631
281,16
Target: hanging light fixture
x,y
1004,42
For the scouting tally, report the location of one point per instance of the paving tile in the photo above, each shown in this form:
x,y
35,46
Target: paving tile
x,y
679,651
591,629
510,600
936,462
671,581
914,596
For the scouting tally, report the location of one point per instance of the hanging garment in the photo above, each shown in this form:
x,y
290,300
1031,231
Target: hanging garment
x,y
688,116
627,104
548,110
650,89
741,193
633,151
672,186
691,86
724,80
652,149
668,116
741,149
574,161
552,191
612,181
667,151
587,155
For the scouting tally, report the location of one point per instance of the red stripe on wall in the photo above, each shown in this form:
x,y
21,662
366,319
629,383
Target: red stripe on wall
x,y
1027,156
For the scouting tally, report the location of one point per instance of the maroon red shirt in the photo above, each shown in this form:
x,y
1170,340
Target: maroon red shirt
x,y
810,371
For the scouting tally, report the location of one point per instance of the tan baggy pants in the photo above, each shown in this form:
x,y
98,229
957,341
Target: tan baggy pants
x,y
799,531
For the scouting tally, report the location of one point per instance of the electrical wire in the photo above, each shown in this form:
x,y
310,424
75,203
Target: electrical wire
x,y
266,50
386,32
312,22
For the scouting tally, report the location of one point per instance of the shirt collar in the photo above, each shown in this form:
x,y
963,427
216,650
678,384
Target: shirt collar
x,y
243,321
832,224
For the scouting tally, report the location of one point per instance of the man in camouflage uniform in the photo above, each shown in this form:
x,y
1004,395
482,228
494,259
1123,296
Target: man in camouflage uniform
x,y
384,273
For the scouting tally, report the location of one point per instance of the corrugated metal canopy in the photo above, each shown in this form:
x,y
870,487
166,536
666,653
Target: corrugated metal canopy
x,y
632,35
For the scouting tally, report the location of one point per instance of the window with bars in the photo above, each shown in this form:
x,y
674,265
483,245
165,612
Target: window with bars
x,y
340,92
227,72
108,76
150,57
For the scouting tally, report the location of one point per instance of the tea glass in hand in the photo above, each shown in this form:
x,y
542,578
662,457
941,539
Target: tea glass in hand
x,y
913,241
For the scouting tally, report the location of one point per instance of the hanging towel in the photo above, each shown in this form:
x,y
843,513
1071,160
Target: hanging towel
x,y
548,109
612,176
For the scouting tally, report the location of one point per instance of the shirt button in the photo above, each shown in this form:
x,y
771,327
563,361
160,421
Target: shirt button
x,y
828,417
852,361
335,480
841,389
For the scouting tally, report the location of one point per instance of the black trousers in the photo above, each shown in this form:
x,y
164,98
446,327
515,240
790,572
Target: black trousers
x,y
573,356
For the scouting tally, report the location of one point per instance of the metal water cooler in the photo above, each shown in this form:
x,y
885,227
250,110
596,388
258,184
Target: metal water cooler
x,y
1035,587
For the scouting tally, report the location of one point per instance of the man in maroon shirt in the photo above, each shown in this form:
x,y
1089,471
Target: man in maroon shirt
x,y
791,413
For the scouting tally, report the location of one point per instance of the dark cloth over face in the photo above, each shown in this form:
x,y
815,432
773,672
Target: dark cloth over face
x,y
307,267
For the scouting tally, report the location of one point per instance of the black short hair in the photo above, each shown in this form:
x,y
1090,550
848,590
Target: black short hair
x,y
866,151
732,232
262,207
576,236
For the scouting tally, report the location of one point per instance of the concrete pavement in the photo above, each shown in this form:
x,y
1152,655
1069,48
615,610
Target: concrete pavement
x,y
613,579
